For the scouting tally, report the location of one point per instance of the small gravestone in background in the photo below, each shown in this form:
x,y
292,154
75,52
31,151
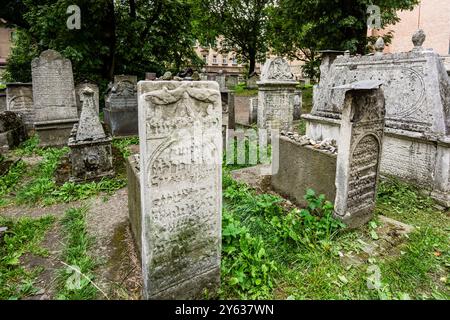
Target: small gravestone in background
x,y
359,156
252,80
276,92
180,165
90,147
19,97
120,113
220,79
298,105
12,130
231,81
53,98
2,100
79,88
150,76
253,114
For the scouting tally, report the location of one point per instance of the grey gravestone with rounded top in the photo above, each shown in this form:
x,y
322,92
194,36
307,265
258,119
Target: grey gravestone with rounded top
x,y
19,97
180,165
53,98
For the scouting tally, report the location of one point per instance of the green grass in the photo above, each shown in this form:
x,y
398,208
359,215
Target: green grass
x,y
122,145
269,252
307,99
23,237
29,147
9,181
241,90
75,279
42,188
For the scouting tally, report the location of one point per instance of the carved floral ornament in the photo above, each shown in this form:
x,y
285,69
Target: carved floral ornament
x,y
277,69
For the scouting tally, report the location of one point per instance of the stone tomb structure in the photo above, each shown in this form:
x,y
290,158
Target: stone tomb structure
x,y
120,113
180,167
53,98
82,86
359,156
416,146
276,92
19,99
90,147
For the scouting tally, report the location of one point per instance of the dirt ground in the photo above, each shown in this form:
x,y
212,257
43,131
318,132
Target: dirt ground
x,y
118,274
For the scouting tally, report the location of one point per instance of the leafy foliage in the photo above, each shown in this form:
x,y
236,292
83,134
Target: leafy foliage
x,y
10,180
23,237
124,143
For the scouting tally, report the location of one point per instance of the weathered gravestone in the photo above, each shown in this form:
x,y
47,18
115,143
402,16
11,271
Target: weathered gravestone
x,y
252,81
53,98
90,147
180,165
82,86
253,114
220,79
12,130
120,113
19,97
2,100
276,92
359,156
417,94
297,105
231,81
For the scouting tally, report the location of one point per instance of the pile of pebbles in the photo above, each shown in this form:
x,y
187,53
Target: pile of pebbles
x,y
326,144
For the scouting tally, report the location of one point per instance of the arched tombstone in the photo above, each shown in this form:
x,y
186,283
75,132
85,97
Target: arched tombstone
x,y
359,154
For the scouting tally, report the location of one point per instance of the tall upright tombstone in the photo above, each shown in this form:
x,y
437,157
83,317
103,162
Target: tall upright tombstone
x,y
120,113
180,160
19,99
276,92
359,156
53,98
81,87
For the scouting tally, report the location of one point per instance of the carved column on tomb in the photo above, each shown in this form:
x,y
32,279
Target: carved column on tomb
x,y
180,162
359,153
276,94
79,88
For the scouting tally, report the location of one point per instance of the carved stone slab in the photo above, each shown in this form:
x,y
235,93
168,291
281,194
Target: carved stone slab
x,y
19,99
359,155
181,154
120,113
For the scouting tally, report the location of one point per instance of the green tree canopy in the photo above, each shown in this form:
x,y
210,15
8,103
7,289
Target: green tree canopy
x,y
125,36
242,25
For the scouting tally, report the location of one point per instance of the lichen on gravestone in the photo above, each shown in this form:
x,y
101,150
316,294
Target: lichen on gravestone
x,y
89,127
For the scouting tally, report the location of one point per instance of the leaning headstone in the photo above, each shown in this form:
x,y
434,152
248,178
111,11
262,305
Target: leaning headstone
x,y
53,98
12,130
90,147
19,97
359,156
120,113
276,92
180,165
298,105
81,87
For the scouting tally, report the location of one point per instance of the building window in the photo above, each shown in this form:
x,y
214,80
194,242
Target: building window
x,y
234,61
205,59
224,61
214,59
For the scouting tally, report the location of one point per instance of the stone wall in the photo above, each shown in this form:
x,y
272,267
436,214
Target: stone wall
x,y
303,167
134,198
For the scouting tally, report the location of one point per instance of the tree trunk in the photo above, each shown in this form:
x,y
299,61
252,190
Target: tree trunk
x,y
252,62
111,40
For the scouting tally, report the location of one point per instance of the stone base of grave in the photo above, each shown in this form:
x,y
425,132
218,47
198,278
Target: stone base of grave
x,y
12,130
90,160
192,289
302,167
54,133
121,122
409,156
134,199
